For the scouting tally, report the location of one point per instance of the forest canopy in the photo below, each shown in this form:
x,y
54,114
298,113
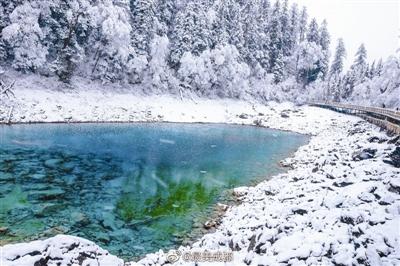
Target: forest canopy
x,y
268,50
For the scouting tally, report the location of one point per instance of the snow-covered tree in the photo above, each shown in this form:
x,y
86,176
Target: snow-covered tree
x,y
233,24
159,70
286,33
143,25
126,41
324,43
357,72
6,8
216,72
293,28
25,38
335,81
309,56
191,32
371,70
379,67
110,41
338,60
361,57
381,89
313,32
67,28
276,62
165,12
251,19
303,24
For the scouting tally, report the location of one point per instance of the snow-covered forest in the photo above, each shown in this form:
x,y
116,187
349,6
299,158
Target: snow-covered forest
x,y
262,49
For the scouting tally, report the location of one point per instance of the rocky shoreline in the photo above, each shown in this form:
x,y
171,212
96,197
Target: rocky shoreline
x,y
339,203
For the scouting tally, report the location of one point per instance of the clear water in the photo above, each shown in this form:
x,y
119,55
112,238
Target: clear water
x,y
131,188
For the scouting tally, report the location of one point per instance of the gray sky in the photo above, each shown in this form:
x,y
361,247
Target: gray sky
x,y
376,23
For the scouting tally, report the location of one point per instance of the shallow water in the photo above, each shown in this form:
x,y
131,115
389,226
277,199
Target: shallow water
x,y
131,188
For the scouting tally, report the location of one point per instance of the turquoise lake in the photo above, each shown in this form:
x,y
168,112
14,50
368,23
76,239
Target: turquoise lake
x,y
130,188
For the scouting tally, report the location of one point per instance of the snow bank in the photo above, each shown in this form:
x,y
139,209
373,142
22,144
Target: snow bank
x,y
58,250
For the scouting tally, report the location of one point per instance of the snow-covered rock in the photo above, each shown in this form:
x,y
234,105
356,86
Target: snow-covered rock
x,y
58,250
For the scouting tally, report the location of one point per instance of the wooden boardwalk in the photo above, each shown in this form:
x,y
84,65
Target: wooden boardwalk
x,y
385,118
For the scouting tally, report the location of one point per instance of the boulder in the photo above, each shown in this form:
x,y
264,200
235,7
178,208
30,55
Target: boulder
x,y
243,116
394,158
395,140
364,154
375,139
284,115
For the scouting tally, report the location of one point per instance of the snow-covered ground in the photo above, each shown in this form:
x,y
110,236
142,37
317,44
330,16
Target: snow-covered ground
x,y
338,204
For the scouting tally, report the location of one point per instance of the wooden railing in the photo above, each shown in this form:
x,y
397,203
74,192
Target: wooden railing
x,y
388,119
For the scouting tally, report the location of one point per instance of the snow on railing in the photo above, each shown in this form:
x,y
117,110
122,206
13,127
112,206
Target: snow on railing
x,y
394,114
391,121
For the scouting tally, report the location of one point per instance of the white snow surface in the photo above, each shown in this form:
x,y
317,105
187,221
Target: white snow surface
x,y
327,209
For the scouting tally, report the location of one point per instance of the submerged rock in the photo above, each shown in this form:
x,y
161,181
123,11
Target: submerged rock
x,y
38,176
103,237
3,230
52,163
46,209
5,177
79,219
48,194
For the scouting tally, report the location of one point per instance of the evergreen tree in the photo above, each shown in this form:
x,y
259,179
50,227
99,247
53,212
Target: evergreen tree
x,y
338,61
143,25
278,68
324,42
263,57
67,27
308,56
118,40
303,24
235,27
294,27
166,13
371,70
313,38
335,82
379,67
285,29
253,34
275,45
336,88
361,57
313,32
190,33
358,71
